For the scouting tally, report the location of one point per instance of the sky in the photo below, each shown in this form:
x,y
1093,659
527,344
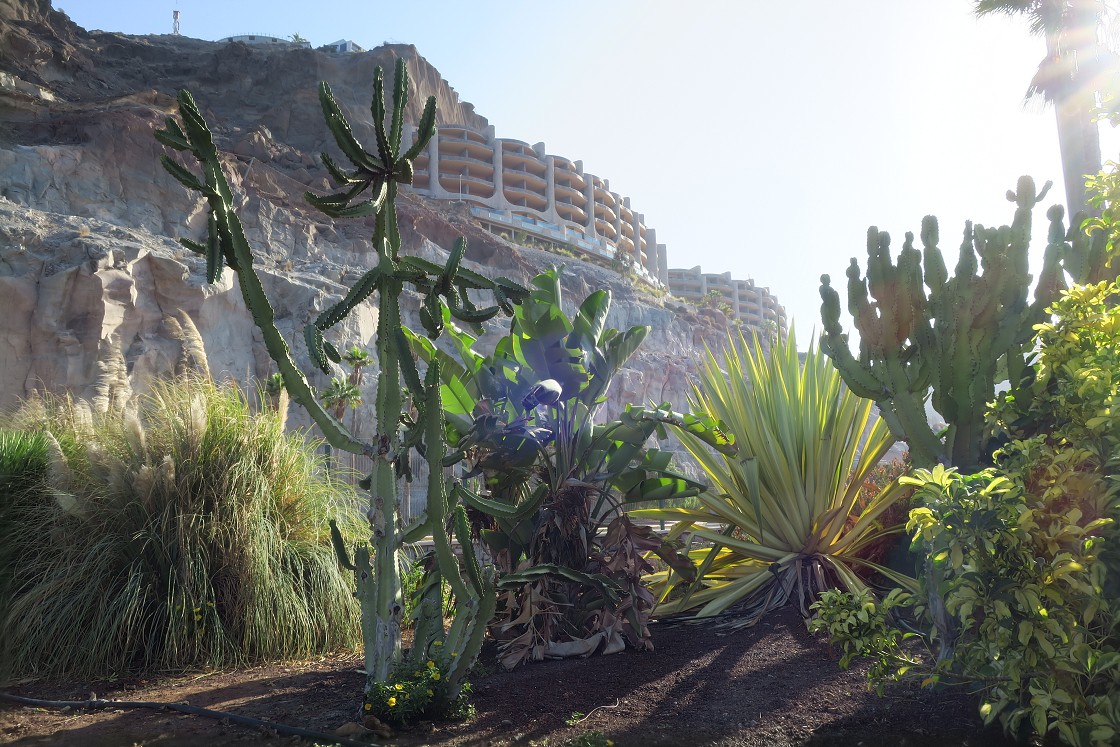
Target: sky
x,y
757,137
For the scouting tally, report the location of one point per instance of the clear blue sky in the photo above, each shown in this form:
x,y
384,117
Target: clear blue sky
x,y
757,137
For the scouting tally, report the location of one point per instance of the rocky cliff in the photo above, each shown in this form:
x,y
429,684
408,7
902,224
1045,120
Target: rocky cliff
x,y
94,285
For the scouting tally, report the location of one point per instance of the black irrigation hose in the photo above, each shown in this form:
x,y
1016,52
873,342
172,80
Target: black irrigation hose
x,y
100,704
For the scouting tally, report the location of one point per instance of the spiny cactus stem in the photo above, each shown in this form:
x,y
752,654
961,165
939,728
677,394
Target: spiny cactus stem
x,y
437,498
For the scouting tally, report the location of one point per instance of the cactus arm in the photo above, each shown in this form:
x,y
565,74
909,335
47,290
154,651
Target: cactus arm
x,y
366,593
226,231
437,500
834,343
400,98
959,337
340,547
479,611
424,131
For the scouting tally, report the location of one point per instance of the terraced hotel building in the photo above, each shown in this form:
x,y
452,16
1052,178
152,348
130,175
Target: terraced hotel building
x,y
513,187
751,304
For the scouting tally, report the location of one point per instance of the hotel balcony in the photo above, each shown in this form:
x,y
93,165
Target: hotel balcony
x,y
466,148
626,245
564,193
467,185
626,213
571,212
628,230
605,213
455,132
523,177
525,198
606,229
459,157
605,197
513,163
570,179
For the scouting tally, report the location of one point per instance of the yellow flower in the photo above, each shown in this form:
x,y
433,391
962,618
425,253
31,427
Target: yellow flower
x,y
429,693
454,653
369,706
438,643
435,676
431,664
398,686
392,702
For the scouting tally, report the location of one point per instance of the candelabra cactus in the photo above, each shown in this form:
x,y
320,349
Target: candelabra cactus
x,y
370,190
967,332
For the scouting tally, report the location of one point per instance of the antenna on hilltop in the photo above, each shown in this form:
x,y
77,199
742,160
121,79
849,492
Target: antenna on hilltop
x,y
175,25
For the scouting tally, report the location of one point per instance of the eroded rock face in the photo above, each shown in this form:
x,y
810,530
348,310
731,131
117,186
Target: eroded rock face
x,y
90,270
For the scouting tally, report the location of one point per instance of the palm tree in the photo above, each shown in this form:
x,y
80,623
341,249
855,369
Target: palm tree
x,y
357,358
1070,76
340,395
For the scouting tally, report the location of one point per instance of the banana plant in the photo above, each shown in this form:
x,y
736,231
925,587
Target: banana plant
x,y
368,190
540,477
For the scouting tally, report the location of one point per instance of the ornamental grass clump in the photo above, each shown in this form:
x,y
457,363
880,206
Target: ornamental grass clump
x,y
189,533
806,445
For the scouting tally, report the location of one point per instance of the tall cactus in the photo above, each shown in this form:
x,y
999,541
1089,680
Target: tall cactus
x,y
370,190
968,332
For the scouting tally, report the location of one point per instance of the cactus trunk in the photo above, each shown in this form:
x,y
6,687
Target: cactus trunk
x,y
446,291
954,342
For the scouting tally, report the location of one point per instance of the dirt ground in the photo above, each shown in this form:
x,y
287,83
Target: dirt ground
x,y
772,685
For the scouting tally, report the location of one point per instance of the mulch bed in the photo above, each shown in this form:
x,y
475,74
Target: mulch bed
x,y
771,685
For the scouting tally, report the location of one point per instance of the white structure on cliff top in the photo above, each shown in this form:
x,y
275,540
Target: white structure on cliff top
x,y
517,187
263,40
345,46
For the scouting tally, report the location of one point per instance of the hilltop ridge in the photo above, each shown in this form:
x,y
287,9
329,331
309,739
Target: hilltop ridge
x,y
89,261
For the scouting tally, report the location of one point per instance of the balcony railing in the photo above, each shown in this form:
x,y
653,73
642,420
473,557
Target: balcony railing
x,y
447,132
463,157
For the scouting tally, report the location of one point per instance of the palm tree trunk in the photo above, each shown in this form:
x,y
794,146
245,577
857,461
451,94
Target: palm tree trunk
x,y
1078,137
1081,152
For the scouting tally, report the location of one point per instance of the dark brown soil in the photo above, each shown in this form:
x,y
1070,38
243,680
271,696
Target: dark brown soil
x,y
773,684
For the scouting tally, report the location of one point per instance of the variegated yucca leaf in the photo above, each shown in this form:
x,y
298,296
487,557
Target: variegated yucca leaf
x,y
805,445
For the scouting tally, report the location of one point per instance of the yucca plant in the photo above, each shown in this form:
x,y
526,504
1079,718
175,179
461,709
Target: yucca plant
x,y
189,533
806,445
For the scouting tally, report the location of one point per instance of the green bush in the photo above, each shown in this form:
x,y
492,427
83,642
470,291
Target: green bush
x,y
414,692
1022,557
189,533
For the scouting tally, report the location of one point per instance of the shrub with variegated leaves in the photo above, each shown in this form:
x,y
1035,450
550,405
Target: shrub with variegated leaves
x,y
1023,557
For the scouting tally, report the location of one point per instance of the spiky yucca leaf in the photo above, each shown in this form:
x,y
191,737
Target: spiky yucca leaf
x,y
806,443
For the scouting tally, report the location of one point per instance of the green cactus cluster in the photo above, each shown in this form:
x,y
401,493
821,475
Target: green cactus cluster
x,y
369,190
955,337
